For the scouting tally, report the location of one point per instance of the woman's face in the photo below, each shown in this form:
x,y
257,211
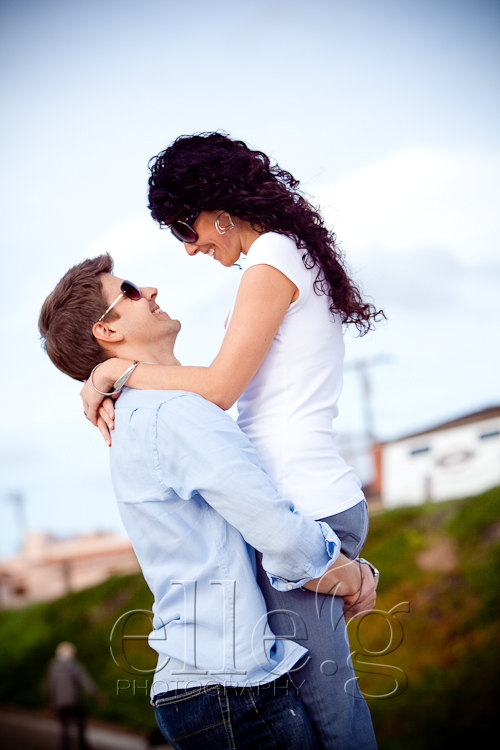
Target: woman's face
x,y
226,248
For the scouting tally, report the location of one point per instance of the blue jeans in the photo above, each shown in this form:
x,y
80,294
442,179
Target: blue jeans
x,y
214,717
325,676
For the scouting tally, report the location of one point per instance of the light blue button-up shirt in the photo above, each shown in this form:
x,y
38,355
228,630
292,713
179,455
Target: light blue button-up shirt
x,y
195,501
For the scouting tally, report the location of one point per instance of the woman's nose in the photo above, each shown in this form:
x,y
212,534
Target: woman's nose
x,y
191,248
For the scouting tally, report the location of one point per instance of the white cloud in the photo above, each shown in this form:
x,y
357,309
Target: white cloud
x,y
421,234
420,197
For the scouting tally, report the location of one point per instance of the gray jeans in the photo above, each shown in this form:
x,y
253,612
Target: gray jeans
x,y
325,676
351,527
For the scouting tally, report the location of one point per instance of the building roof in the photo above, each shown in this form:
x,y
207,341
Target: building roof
x,y
476,416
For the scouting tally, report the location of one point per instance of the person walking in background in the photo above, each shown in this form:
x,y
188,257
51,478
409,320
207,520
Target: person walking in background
x,y
68,682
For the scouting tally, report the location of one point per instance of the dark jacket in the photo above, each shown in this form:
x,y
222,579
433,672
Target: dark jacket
x,y
67,683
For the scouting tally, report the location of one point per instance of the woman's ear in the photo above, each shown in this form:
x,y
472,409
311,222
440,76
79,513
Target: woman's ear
x,y
106,334
224,222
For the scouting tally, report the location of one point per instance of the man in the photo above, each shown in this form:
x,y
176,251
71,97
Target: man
x,y
193,496
67,683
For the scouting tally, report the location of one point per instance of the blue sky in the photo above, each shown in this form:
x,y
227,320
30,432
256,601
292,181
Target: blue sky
x,y
388,112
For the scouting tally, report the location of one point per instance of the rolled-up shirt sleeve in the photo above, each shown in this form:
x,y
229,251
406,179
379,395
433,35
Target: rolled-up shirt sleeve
x,y
199,449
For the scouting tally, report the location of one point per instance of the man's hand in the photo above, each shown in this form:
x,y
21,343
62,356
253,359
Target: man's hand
x,y
343,578
364,599
350,579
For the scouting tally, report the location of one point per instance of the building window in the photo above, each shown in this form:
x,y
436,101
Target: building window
x,y
492,434
419,451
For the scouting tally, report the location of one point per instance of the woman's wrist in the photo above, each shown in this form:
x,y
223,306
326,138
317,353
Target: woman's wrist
x,y
108,372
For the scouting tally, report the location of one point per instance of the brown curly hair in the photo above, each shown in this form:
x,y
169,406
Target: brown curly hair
x,y
210,171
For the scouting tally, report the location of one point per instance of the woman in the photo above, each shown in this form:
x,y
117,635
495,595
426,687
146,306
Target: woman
x,y
281,358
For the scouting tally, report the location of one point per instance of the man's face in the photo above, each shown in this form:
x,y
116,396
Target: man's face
x,y
141,321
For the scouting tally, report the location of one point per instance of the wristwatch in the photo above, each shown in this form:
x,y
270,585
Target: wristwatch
x,y
374,570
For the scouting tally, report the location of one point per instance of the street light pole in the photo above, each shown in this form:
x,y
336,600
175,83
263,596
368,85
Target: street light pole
x,y
362,366
17,499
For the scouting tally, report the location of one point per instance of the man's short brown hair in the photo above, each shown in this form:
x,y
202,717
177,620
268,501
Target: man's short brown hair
x,y
68,314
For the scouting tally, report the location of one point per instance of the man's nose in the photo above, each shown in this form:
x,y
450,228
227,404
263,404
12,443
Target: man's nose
x,y
149,292
191,248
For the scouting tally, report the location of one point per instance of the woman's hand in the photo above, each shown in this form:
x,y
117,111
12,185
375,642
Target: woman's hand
x,y
103,379
105,415
106,418
99,409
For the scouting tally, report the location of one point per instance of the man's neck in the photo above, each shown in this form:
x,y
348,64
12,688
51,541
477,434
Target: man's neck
x,y
159,354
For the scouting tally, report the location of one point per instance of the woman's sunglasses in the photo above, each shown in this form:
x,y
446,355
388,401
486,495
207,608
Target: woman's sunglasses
x,y
127,289
183,230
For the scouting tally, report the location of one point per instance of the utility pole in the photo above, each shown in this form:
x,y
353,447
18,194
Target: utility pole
x,y
362,367
17,499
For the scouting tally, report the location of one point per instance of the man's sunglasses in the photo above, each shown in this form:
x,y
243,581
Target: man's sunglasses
x,y
127,289
183,230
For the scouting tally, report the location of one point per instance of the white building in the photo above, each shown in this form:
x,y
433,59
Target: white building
x,y
454,459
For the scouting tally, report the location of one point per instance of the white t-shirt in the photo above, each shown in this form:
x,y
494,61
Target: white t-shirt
x,y
288,408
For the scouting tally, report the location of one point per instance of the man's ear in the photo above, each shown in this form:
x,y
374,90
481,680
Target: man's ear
x,y
106,334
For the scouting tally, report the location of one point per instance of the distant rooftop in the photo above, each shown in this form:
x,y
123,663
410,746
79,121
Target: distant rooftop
x,y
489,412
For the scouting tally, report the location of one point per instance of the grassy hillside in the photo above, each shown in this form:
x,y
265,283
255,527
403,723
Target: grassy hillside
x,y
427,656
443,560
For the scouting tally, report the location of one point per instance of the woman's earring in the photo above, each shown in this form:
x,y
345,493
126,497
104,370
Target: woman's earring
x,y
219,227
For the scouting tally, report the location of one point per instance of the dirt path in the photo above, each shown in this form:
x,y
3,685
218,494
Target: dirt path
x,y
20,730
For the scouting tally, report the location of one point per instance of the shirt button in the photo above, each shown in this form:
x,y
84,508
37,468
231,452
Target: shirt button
x,y
289,586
